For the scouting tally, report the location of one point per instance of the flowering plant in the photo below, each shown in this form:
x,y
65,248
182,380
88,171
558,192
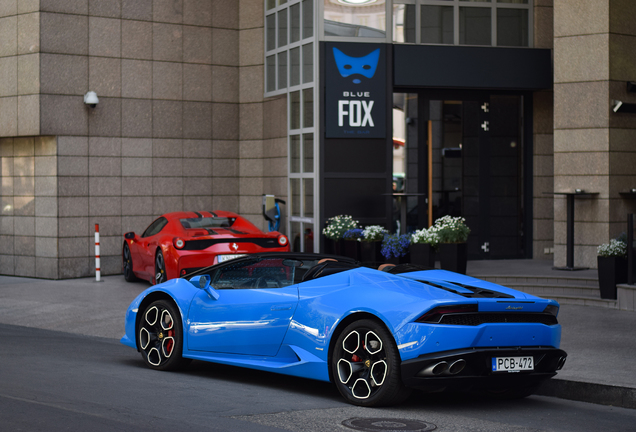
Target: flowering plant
x,y
426,236
354,234
373,233
338,225
451,229
395,245
615,248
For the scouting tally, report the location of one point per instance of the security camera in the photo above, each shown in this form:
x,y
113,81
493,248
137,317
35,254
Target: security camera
x,y
91,99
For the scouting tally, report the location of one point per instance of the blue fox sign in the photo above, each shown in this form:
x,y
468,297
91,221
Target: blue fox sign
x,y
355,90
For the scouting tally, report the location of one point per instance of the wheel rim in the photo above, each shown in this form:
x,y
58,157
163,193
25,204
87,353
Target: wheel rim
x,y
127,262
160,269
157,335
362,364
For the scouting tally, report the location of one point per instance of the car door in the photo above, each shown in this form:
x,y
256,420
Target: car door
x,y
148,245
256,302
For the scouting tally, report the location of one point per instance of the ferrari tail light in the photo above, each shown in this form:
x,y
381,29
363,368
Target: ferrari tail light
x,y
282,240
435,315
178,243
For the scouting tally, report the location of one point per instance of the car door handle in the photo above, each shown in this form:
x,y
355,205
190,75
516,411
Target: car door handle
x,y
282,307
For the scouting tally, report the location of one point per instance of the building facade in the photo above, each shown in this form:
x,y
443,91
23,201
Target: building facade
x,y
394,111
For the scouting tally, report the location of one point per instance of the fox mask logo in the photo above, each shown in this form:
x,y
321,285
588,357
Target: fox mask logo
x,y
365,66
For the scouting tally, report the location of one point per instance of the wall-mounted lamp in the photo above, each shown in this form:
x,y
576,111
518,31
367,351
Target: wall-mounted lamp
x,y
623,107
91,99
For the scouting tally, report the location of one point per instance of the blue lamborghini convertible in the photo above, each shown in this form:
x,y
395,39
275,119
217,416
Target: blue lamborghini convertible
x,y
376,334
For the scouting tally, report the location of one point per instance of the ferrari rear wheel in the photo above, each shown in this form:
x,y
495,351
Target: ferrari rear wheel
x,y
365,365
160,336
128,265
160,268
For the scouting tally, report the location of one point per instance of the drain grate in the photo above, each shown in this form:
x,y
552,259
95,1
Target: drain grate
x,y
388,425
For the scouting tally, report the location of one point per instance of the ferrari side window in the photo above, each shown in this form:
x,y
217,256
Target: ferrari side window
x,y
155,227
258,273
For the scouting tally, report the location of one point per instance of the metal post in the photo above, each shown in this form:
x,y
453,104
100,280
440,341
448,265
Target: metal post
x,y
630,249
97,257
570,232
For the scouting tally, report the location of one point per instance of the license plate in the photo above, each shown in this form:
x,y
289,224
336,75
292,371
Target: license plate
x,y
221,258
512,364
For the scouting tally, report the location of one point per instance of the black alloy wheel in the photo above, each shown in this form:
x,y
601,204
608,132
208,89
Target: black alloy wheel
x,y
128,264
160,268
365,365
160,336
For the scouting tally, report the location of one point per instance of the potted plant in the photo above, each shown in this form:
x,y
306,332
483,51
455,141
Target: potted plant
x,y
371,244
453,250
351,243
612,267
395,248
334,231
424,243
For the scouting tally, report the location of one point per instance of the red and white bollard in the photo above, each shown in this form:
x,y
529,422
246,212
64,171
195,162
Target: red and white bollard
x,y
97,263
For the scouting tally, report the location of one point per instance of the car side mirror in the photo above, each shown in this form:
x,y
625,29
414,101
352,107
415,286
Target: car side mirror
x,y
203,282
129,235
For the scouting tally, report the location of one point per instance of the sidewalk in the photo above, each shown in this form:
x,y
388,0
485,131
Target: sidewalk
x,y
600,342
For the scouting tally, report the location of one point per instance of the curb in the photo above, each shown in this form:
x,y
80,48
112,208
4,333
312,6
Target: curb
x,y
600,394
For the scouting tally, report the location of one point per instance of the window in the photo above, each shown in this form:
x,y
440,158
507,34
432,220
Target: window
x,y
255,273
155,227
351,18
463,22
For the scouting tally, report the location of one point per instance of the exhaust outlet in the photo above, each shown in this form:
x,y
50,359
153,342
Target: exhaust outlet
x,y
456,367
561,363
434,369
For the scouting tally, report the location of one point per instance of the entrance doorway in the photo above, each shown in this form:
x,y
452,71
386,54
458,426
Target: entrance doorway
x,y
476,168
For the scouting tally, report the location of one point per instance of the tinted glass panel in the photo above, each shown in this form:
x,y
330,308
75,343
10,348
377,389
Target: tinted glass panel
x,y
294,12
282,70
404,23
512,27
308,107
271,32
437,24
355,21
474,26
308,18
294,121
294,157
295,196
271,73
294,72
308,192
308,153
308,63
282,28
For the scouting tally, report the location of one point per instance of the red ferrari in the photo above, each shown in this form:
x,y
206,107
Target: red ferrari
x,y
178,243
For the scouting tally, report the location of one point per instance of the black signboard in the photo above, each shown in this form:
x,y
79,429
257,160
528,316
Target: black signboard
x,y
355,90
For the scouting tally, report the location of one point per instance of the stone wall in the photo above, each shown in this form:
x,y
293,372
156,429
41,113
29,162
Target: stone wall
x,y
594,42
543,163
181,122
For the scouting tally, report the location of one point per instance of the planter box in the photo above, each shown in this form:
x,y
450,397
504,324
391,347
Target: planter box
x,y
370,252
333,247
611,271
401,260
422,254
453,257
351,249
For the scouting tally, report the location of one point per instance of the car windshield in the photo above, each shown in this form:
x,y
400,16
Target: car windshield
x,y
207,222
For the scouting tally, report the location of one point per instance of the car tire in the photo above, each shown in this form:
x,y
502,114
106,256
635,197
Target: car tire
x,y
365,365
127,263
160,336
160,269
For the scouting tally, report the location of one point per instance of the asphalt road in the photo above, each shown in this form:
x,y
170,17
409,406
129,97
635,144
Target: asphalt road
x,y
58,381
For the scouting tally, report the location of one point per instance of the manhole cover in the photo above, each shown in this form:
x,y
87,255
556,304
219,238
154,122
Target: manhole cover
x,y
388,425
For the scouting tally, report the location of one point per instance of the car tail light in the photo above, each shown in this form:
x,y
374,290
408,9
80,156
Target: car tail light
x,y
282,240
551,309
178,243
435,315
